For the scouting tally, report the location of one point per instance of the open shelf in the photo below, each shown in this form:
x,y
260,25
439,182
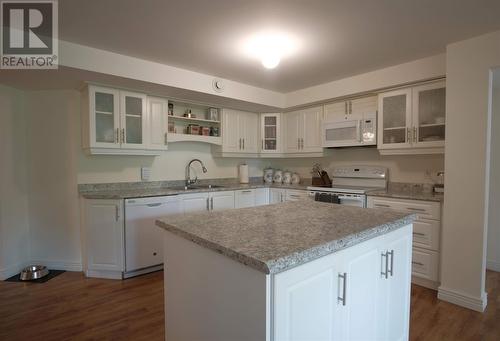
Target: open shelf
x,y
174,137
188,119
432,125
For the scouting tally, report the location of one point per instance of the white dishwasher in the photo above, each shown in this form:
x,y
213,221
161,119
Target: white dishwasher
x,y
143,239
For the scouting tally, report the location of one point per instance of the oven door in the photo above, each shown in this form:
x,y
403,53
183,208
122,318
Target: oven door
x,y
342,134
357,200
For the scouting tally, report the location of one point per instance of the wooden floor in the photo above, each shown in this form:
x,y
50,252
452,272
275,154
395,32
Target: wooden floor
x,y
71,307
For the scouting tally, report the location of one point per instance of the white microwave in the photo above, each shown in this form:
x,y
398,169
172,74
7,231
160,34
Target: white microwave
x,y
355,131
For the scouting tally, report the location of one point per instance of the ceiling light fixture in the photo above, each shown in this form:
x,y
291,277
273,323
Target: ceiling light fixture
x,y
270,47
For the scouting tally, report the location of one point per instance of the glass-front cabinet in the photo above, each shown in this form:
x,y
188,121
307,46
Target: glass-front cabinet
x,y
429,103
104,117
119,122
133,119
270,133
412,120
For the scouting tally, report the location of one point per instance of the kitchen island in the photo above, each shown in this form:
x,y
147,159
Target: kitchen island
x,y
296,271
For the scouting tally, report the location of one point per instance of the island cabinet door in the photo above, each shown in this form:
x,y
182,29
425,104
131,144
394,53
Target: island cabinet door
x,y
358,298
305,300
394,293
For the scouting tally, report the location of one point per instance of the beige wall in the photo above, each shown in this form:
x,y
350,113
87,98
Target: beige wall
x,y
468,66
493,246
14,225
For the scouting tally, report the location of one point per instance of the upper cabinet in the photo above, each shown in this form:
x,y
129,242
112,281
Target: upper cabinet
x,y
270,133
240,131
412,120
302,130
119,122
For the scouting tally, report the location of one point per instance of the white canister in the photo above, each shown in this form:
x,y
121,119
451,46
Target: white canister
x,y
243,174
278,176
268,175
295,178
287,177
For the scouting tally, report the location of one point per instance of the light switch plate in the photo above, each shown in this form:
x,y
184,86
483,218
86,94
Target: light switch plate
x,y
145,173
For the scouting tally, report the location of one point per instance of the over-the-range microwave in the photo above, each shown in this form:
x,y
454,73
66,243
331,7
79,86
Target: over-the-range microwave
x,y
359,130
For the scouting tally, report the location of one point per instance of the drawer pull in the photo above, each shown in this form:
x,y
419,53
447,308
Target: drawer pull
x,y
247,191
382,205
385,255
417,263
416,209
418,234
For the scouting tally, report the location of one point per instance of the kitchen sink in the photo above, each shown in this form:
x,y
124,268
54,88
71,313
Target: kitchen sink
x,y
186,188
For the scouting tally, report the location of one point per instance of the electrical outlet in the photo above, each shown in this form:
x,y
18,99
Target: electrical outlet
x,y
145,173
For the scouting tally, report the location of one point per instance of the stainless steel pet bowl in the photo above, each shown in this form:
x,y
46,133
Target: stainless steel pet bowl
x,y
34,272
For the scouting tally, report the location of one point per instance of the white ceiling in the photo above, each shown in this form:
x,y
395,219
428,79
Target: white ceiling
x,y
339,37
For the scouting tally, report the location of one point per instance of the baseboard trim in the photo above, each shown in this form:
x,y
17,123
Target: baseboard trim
x,y
463,300
493,265
56,265
12,270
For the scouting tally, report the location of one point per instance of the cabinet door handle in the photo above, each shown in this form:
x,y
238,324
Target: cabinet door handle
x,y
346,108
166,138
385,261
247,191
243,144
350,108
408,135
417,263
414,134
208,204
240,144
418,234
262,144
382,205
123,135
301,143
154,205
390,270
343,277
212,203
117,138
117,212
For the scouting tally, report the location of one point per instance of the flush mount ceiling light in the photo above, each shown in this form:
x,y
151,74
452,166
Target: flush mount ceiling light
x,y
270,47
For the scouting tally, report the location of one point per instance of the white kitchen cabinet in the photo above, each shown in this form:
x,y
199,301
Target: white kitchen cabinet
x,y
143,239
295,195
277,195
221,200
195,202
303,131
360,293
104,226
412,120
244,198
344,110
117,122
157,125
426,236
261,196
240,130
270,132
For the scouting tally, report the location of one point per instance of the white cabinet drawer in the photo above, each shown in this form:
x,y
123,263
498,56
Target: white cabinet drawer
x,y
425,264
294,195
426,234
423,209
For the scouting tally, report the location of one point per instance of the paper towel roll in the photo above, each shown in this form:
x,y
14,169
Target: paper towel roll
x,y
243,174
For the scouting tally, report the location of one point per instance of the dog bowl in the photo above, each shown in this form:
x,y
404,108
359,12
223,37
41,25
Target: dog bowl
x,y
32,272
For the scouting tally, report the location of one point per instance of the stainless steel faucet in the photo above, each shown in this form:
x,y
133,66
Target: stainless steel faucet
x,y
188,172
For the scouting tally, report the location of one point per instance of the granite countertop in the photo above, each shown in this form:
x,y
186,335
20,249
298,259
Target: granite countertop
x,y
275,238
399,190
155,189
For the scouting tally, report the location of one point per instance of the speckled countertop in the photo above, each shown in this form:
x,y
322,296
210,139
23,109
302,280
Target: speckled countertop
x,y
274,238
400,190
163,188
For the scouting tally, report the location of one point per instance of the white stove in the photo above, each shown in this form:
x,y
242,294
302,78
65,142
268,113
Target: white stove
x,y
350,185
